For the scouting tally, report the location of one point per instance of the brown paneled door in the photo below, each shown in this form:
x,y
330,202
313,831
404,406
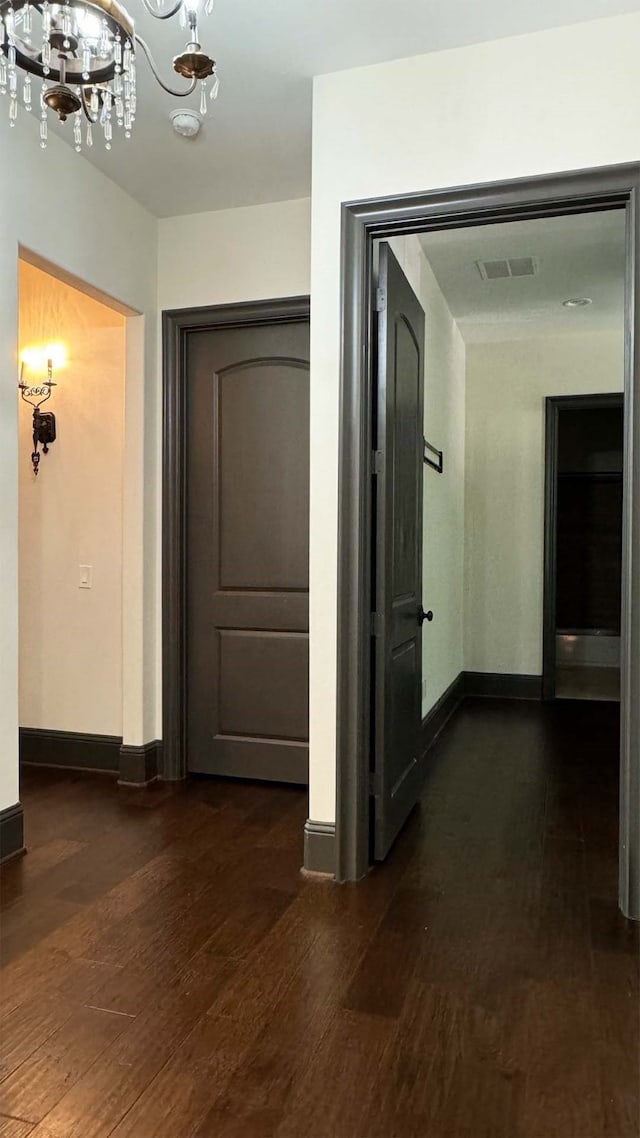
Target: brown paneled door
x,y
247,680
397,674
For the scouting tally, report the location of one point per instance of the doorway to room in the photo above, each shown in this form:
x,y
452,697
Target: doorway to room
x,y
366,455
72,349
584,452
474,340
81,548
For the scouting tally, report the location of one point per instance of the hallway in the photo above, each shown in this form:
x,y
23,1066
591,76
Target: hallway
x,y
168,973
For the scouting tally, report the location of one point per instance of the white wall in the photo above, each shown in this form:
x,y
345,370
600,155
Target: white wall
x,y
230,255
504,534
70,643
102,236
558,100
443,501
444,506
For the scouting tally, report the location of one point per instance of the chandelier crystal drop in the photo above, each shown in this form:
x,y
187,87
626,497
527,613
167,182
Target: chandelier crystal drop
x,y
78,59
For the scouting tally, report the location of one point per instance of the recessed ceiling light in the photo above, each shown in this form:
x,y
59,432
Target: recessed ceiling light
x,y
577,302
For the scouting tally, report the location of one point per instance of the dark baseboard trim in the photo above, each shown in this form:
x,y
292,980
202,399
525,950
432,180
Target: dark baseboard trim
x,y
275,762
140,765
502,685
11,832
441,712
72,750
320,847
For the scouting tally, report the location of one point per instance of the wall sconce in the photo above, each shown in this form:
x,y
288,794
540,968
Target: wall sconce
x,y
44,422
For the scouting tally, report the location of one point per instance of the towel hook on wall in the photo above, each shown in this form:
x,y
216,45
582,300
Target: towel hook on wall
x,y
428,450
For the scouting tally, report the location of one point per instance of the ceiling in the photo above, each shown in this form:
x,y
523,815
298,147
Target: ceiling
x,y
256,144
580,255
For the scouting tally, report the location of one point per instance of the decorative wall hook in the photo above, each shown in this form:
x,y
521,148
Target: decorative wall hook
x,y
427,451
44,422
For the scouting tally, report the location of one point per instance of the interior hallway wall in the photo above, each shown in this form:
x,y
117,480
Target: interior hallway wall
x,y
110,243
507,384
257,252
443,500
71,514
451,118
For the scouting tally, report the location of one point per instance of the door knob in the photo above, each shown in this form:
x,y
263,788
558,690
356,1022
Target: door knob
x,y
422,615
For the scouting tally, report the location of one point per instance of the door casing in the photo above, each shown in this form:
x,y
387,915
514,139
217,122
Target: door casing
x,y
177,325
603,188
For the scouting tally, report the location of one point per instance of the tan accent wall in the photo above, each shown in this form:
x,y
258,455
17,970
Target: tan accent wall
x,y
70,638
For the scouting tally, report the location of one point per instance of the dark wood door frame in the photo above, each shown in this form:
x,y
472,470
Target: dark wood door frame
x,y
177,325
554,404
616,187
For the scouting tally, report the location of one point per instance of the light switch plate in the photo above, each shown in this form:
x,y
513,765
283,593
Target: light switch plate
x,y
85,577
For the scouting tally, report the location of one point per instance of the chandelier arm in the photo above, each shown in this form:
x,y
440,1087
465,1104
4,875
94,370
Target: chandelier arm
x,y
163,15
86,109
150,60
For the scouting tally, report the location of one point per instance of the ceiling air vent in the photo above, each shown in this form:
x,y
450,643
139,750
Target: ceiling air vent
x,y
509,267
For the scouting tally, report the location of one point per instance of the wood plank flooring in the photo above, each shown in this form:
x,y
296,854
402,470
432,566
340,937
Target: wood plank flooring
x,y
168,972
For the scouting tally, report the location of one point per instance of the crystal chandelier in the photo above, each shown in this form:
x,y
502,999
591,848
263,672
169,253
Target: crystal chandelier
x,y
80,56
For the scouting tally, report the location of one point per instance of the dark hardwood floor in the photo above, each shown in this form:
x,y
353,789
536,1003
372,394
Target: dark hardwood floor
x,y
168,973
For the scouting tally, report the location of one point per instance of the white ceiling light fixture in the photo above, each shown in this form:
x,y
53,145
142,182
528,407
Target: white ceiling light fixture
x,y
186,123
577,302
82,56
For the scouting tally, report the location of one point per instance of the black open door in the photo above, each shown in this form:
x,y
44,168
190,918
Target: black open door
x,y
397,621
